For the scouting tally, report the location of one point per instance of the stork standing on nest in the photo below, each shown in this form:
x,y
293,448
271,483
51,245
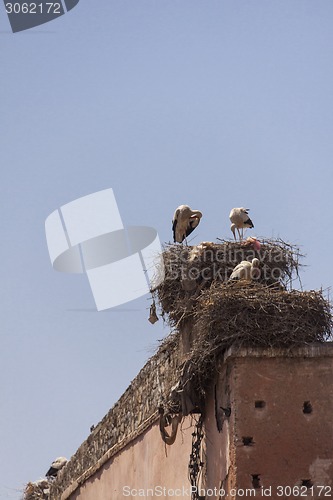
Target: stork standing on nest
x,y
56,466
246,270
239,218
184,221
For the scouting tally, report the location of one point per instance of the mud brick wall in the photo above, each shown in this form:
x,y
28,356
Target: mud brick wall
x,y
134,412
278,432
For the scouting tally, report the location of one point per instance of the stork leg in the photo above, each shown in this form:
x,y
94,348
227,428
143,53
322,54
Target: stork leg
x,y
239,234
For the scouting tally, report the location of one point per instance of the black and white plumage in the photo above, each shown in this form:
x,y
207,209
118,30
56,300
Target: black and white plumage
x,y
184,221
56,466
239,218
246,270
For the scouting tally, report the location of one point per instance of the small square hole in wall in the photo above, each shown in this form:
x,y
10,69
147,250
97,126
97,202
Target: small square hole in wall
x,y
260,404
247,441
307,483
307,407
256,481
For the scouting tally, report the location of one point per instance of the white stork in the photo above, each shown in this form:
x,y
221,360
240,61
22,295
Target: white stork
x,y
184,221
56,466
240,219
245,270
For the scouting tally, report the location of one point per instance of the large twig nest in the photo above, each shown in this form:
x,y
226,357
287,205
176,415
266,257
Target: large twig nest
x,y
245,314
213,313
262,315
190,270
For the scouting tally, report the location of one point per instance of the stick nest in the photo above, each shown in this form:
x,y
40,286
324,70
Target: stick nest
x,y
255,315
36,491
190,270
258,315
212,313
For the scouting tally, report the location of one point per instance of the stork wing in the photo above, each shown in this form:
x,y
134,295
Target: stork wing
x,y
189,230
51,472
248,221
238,270
192,224
174,224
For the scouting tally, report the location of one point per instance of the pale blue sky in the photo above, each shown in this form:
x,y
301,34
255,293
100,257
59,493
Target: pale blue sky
x,y
212,103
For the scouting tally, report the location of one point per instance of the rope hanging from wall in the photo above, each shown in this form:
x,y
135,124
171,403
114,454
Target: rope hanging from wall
x,y
196,464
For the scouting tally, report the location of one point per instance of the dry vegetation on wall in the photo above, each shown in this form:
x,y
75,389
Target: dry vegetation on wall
x,y
38,490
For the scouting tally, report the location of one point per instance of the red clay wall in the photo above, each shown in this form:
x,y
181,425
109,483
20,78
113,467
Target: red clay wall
x,y
144,466
278,436
281,424
289,446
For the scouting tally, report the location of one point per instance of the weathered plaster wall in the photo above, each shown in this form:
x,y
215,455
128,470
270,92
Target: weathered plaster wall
x,y
287,443
144,466
218,436
268,440
279,431
136,411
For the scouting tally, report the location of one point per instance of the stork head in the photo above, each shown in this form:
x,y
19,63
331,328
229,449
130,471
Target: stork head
x,y
233,229
196,214
255,271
